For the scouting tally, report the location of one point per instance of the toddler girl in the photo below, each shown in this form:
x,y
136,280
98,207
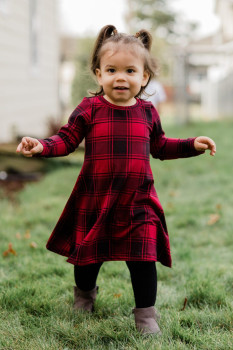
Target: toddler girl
x,y
113,212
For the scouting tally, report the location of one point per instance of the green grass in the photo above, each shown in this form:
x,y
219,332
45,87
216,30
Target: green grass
x,y
36,286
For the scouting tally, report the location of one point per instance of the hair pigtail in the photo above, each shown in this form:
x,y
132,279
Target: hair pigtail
x,y
105,33
145,38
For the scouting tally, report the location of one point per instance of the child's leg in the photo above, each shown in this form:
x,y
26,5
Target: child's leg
x,y
86,276
85,291
144,281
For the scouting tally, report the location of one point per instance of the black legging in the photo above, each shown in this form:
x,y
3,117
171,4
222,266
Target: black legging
x,y
143,277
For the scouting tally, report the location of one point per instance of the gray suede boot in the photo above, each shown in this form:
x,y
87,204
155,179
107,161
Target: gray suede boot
x,y
84,300
146,320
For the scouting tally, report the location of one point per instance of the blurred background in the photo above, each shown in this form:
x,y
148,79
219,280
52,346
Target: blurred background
x,y
45,49
44,61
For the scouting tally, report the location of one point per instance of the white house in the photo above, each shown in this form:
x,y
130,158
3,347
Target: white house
x,y
224,9
218,89
208,66
29,61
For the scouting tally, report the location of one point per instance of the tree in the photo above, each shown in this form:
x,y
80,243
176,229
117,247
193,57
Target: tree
x,y
158,17
153,14
83,80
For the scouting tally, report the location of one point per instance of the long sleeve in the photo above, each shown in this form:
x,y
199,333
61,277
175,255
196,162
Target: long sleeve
x,y
70,135
163,147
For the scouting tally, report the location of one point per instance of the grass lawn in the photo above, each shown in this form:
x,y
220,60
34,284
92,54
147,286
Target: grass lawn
x,y
36,286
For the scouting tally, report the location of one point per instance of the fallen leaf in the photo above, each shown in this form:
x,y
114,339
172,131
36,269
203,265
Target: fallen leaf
x,y
173,194
213,218
27,234
185,303
10,250
6,253
117,295
33,245
170,205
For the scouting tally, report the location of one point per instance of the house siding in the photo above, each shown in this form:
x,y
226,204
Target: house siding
x,y
28,90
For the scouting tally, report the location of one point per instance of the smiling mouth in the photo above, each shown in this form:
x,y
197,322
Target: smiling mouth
x,y
121,88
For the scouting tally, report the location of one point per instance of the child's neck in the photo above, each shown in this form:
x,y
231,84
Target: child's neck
x,y
128,103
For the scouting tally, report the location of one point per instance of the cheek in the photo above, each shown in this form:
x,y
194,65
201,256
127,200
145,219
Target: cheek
x,y
107,80
137,80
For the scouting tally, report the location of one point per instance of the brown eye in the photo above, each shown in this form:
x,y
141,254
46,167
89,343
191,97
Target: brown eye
x,y
130,70
111,70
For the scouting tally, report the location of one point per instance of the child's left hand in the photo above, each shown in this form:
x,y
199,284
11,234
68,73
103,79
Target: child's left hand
x,y
202,143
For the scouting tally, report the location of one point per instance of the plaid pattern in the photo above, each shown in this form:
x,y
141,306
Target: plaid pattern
x,y
113,212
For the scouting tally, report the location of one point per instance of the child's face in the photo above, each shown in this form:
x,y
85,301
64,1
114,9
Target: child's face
x,y
121,75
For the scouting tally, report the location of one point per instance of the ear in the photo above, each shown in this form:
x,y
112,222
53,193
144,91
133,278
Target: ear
x,y
145,78
98,76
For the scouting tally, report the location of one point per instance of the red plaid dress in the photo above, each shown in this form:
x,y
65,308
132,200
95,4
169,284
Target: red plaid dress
x,y
113,212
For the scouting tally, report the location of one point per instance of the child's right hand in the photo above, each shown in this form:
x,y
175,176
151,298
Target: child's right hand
x,y
29,146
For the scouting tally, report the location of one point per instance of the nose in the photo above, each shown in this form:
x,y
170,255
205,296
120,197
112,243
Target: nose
x,y
120,76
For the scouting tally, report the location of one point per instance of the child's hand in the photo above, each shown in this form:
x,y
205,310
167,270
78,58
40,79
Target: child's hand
x,y
29,146
203,143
